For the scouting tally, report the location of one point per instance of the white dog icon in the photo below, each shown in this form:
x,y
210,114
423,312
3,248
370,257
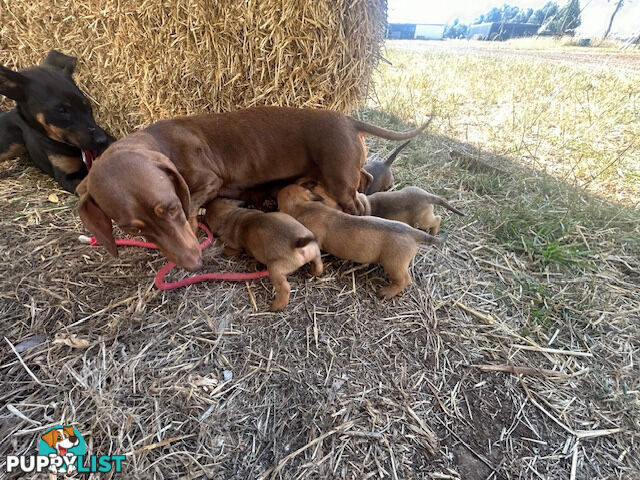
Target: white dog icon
x,y
61,440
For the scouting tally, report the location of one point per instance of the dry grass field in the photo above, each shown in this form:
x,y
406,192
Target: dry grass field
x,y
514,355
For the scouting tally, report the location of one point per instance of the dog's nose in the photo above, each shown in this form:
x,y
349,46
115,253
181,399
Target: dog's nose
x,y
198,265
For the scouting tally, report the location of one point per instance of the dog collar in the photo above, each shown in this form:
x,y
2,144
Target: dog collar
x,y
88,157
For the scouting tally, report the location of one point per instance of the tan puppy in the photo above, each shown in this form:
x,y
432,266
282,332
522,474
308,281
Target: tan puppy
x,y
411,205
361,239
274,239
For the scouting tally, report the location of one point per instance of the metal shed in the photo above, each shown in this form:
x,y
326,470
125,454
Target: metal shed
x,y
418,31
502,30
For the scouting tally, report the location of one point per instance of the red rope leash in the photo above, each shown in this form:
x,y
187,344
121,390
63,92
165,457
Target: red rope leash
x,y
204,277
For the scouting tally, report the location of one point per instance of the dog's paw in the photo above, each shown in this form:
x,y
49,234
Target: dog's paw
x,y
278,305
387,292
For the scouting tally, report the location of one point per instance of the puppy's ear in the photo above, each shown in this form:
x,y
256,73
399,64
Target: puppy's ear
x,y
97,223
365,180
12,84
50,437
61,61
309,184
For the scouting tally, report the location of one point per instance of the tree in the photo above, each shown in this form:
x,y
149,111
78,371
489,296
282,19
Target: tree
x,y
493,15
456,30
543,14
613,15
523,16
566,20
509,13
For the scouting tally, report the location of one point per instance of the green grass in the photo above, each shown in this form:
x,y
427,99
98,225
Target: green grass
x,y
564,143
579,126
536,172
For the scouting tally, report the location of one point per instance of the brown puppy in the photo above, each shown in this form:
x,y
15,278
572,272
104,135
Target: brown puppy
x,y
274,239
411,205
154,181
361,239
380,171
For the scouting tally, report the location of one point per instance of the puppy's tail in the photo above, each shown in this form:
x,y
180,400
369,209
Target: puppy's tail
x,y
436,200
388,134
304,241
424,237
389,160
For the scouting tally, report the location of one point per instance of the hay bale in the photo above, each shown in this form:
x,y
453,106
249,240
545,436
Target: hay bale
x,y
143,60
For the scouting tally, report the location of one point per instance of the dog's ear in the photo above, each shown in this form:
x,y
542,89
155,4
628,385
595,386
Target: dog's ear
x,y
12,84
61,61
365,180
182,190
50,437
97,223
181,187
309,184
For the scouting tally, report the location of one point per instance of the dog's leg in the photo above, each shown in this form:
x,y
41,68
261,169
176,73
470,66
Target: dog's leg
x,y
200,197
435,225
344,192
425,220
68,181
11,141
316,266
278,278
397,267
340,165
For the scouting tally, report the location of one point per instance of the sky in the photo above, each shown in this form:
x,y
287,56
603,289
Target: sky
x,y
595,15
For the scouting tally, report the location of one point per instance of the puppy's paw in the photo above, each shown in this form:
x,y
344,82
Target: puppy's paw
x,y
278,304
316,267
387,292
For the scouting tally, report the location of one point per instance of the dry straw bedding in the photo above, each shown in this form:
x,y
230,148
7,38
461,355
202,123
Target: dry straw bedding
x,y
367,389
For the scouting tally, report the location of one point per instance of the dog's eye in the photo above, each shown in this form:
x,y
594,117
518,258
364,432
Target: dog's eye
x,y
62,109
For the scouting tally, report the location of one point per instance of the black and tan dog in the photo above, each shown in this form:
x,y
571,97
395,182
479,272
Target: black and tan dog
x,y
363,239
275,239
411,205
52,122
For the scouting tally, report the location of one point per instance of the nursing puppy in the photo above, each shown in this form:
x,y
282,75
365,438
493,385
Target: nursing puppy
x,y
380,171
361,239
274,239
411,205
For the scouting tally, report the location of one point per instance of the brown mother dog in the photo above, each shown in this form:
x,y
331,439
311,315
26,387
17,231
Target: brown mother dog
x,y
152,182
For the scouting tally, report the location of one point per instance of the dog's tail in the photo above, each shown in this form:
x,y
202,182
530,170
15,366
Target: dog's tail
x,y
388,134
389,160
304,241
424,237
436,200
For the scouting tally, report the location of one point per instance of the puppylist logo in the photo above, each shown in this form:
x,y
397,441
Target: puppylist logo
x,y
62,450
